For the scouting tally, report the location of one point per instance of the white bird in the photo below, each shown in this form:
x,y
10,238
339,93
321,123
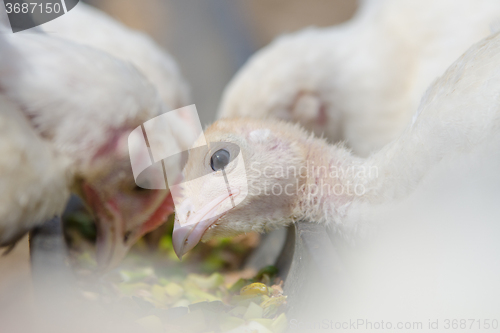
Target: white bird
x,y
276,173
34,178
89,26
85,103
359,82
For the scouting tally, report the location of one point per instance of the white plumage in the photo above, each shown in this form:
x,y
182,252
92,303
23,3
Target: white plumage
x,y
34,181
74,95
361,81
85,102
89,26
321,183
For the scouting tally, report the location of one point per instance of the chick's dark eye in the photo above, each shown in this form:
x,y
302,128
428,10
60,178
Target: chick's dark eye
x,y
220,159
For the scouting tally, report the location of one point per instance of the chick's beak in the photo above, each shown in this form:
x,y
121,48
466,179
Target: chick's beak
x,y
113,238
187,235
112,245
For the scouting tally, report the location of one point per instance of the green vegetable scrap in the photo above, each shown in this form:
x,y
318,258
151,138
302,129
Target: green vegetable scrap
x,y
213,281
199,303
136,275
272,305
254,289
253,312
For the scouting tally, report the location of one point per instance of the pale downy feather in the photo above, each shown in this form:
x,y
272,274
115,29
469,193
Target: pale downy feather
x,y
34,178
89,26
360,81
75,96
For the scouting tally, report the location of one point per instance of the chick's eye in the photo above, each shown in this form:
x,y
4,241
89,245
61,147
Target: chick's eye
x,y
220,159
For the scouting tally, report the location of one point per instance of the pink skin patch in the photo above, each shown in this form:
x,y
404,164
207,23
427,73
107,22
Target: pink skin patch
x,y
322,116
159,216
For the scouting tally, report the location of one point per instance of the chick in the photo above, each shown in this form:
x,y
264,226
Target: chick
x,y
276,173
85,103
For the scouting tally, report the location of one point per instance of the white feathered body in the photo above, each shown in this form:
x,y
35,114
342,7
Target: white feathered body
x,y
361,81
89,26
34,179
74,95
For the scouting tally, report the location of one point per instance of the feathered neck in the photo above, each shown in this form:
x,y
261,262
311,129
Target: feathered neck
x,y
332,179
